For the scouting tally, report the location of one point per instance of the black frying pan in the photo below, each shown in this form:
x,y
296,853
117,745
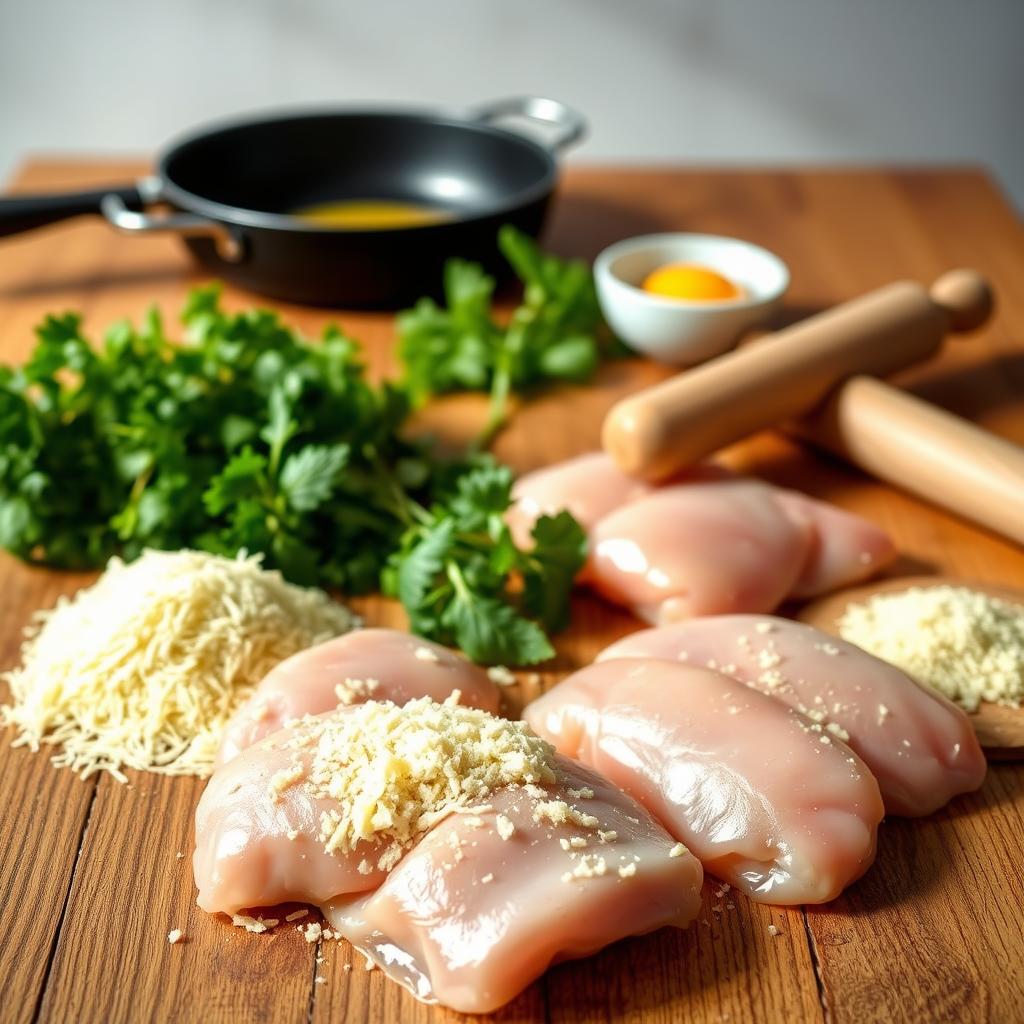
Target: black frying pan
x,y
230,188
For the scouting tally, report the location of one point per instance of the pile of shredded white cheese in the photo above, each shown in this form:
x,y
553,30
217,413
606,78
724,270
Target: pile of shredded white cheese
x,y
144,668
397,771
965,644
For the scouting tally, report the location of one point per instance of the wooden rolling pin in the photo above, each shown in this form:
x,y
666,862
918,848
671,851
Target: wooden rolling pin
x,y
925,450
660,430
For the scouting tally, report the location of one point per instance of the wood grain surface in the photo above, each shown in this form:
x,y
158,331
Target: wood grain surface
x,y
90,877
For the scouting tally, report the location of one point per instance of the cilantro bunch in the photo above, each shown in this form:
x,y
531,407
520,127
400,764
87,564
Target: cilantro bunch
x,y
249,437
557,333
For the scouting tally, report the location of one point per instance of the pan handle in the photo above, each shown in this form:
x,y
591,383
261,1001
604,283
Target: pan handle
x,y
133,222
25,213
570,125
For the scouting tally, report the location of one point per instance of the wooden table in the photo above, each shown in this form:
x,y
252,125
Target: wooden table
x,y
90,877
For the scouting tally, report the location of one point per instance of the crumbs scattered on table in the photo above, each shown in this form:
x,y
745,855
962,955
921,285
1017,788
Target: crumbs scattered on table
x,y
253,924
501,675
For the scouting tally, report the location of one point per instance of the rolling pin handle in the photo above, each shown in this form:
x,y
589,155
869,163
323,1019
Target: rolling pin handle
x,y
965,296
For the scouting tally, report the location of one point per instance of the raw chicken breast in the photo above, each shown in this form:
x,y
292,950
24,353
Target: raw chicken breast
x,y
844,547
489,883
378,664
469,919
699,548
256,847
919,746
589,486
705,543
785,814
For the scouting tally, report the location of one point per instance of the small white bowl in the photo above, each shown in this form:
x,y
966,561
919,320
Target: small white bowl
x,y
679,332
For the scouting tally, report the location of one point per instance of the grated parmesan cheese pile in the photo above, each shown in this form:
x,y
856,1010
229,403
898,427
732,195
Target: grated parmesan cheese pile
x,y
397,771
144,668
965,644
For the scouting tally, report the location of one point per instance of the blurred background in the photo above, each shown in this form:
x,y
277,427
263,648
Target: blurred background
x,y
717,81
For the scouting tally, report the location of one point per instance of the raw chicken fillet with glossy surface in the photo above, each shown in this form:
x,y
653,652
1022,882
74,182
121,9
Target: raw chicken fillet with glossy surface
x,y
478,903
707,543
919,746
366,664
781,811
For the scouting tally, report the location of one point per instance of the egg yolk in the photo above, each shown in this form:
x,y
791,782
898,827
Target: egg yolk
x,y
690,283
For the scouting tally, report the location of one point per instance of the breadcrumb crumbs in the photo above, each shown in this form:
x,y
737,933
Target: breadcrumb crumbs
x,y
504,826
296,914
354,691
501,675
589,866
677,851
394,772
558,812
964,643
283,779
175,936
254,924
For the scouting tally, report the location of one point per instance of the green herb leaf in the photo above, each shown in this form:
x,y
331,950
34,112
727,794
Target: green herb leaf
x,y
247,436
560,549
493,633
557,333
309,476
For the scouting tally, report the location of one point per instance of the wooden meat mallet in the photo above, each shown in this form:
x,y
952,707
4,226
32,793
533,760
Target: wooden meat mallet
x,y
783,377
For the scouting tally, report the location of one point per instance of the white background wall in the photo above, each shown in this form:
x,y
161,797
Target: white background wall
x,y
690,80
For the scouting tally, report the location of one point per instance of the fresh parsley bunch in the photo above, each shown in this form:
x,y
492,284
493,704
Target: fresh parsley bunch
x,y
248,436
557,333
453,569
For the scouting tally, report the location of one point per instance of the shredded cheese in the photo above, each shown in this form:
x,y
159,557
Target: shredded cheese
x,y
144,668
966,644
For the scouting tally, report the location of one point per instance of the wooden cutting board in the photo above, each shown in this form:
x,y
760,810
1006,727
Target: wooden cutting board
x,y
90,877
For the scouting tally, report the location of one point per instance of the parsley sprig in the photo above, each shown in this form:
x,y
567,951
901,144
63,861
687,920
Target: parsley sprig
x,y
557,333
250,437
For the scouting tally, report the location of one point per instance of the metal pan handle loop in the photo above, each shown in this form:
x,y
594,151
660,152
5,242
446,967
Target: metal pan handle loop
x,y
229,246
569,125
